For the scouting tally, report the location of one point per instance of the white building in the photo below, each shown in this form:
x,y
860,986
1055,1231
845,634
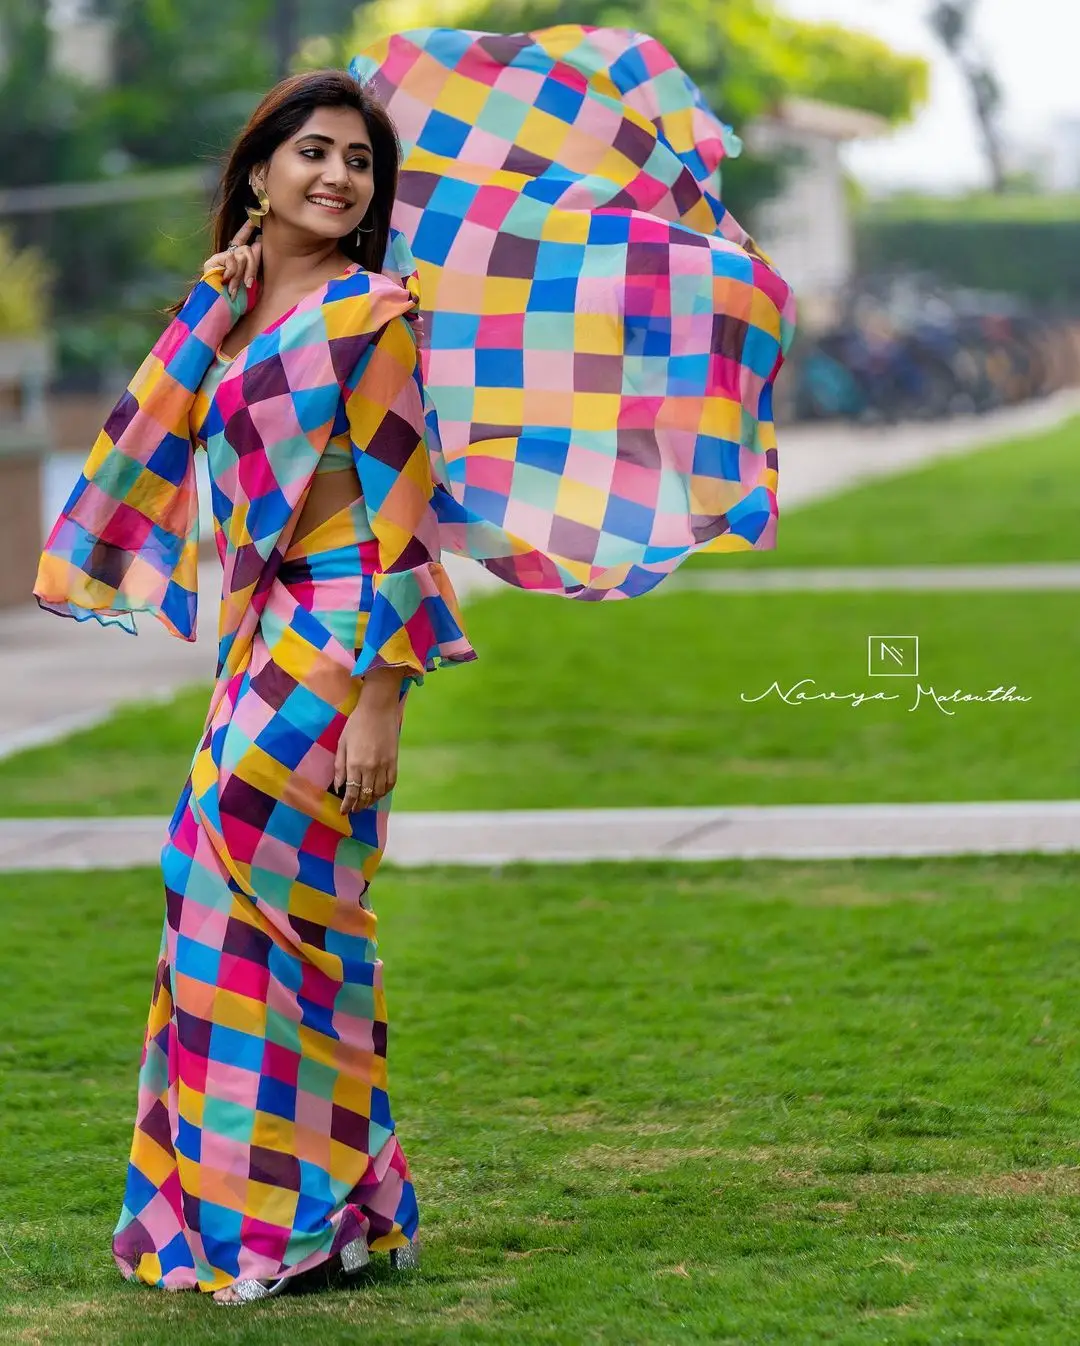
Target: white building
x,y
1063,158
807,229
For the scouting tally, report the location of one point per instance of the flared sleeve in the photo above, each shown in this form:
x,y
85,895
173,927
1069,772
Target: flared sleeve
x,y
415,620
127,539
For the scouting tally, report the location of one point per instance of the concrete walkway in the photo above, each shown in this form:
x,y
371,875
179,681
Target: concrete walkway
x,y
56,675
879,579
819,461
560,836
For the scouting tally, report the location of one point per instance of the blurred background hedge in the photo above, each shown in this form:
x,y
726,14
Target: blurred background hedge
x,y
1019,245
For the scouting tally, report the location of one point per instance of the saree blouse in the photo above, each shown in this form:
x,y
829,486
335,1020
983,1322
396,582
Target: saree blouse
x,y
415,619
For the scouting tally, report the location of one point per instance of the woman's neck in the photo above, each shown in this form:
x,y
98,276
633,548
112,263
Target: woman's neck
x,y
288,270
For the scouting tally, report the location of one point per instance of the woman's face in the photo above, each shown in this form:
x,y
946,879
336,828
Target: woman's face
x,y
327,160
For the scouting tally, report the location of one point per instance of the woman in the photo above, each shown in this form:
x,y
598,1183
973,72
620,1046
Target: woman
x,y
264,1142
603,344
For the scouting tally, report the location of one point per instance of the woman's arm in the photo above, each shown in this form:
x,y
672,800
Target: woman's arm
x,y
415,623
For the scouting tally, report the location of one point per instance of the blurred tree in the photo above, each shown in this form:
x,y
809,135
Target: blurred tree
x,y
857,70
951,20
744,56
186,74
43,134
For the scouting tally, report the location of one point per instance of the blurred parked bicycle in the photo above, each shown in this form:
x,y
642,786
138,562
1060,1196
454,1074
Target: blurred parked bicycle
x,y
907,348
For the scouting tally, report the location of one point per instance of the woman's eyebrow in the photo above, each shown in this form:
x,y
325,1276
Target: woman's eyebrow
x,y
329,140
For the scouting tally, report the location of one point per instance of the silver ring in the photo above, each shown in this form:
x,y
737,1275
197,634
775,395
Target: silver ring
x,y
354,783
231,246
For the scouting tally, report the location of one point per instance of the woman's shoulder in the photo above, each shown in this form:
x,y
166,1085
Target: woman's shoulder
x,y
370,300
379,285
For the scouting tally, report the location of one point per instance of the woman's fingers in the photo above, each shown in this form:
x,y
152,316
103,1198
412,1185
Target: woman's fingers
x,y
349,799
241,260
339,765
370,785
253,263
243,233
242,263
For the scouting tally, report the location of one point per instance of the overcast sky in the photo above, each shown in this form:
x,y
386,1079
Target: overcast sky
x,y
1031,44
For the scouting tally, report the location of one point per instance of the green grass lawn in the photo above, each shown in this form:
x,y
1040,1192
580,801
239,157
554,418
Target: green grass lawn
x,y
1014,502
980,205
655,1103
638,703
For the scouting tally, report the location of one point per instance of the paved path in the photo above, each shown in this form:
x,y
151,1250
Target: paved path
x,y
789,832
56,676
830,579
818,461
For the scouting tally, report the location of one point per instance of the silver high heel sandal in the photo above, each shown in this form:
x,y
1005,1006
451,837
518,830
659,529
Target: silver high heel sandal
x,y
407,1258
356,1255
245,1292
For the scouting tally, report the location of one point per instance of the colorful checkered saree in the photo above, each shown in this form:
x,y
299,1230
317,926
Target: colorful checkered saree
x,y
603,344
264,1139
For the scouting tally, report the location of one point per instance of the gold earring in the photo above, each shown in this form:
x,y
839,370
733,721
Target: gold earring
x,y
254,216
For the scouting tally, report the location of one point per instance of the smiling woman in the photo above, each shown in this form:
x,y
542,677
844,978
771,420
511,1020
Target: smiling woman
x,y
604,342
264,1142
310,187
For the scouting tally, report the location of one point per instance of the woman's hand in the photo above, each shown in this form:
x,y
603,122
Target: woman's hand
x,y
367,754
241,260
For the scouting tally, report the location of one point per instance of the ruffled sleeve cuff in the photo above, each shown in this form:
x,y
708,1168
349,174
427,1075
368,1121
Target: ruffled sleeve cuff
x,y
415,622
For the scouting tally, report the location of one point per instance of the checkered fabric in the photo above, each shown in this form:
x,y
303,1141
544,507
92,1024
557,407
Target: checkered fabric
x,y
336,365
603,344
264,1139
603,335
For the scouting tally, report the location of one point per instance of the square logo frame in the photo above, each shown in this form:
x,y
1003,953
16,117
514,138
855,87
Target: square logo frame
x,y
892,656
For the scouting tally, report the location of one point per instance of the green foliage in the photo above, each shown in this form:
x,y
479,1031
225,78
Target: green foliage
x,y
1034,259
742,53
859,71
187,72
24,295
46,134
179,94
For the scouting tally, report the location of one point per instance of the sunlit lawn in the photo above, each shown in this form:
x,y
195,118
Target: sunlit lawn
x,y
639,703
1014,502
646,1104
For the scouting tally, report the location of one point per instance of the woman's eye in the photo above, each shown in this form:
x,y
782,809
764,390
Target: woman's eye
x,y
361,165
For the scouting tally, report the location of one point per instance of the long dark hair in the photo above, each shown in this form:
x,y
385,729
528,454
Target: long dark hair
x,y
282,112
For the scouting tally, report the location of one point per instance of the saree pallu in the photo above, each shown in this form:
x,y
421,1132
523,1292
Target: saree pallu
x,y
603,336
264,1138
